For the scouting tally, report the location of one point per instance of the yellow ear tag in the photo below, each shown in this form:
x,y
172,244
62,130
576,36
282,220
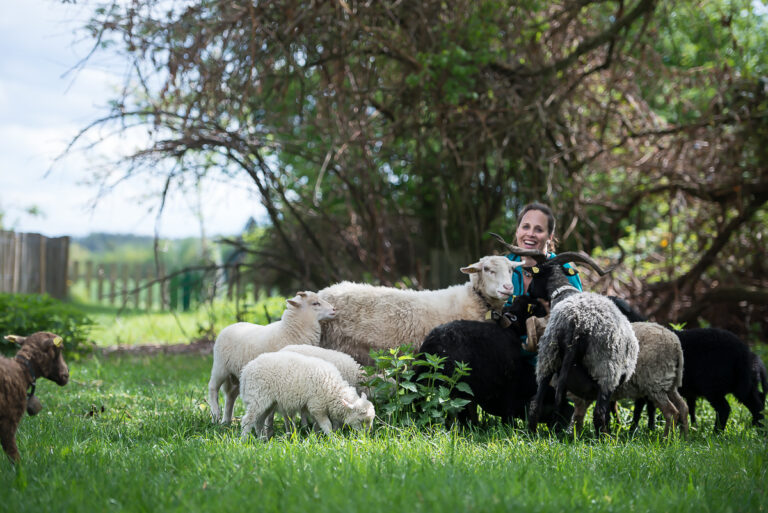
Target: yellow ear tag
x,y
488,315
534,269
571,271
58,341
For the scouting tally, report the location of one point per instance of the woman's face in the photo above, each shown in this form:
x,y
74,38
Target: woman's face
x,y
533,233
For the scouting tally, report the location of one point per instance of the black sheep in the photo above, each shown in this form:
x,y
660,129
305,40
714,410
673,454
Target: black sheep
x,y
502,379
717,363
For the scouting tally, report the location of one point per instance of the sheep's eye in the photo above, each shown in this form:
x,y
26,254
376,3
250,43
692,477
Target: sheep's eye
x,y
316,303
488,270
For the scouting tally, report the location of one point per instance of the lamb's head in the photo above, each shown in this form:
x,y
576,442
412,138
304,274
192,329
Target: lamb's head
x,y
307,301
43,352
358,412
491,278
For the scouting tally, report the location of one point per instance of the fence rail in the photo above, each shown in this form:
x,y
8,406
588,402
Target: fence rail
x,y
31,263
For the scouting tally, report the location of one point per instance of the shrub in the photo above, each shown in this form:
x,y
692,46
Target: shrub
x,y
23,314
402,397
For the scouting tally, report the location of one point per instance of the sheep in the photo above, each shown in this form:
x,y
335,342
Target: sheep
x,y
377,317
583,327
239,343
294,383
658,374
40,355
717,363
501,380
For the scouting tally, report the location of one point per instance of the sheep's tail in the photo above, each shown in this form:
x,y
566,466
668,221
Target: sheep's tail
x,y
762,375
567,341
680,368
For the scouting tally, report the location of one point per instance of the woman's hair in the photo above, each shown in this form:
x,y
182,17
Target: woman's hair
x,y
541,207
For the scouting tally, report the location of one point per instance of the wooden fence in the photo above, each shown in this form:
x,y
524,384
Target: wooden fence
x,y
31,263
144,287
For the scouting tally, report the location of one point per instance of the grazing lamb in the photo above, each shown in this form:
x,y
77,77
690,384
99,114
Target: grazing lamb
x,y
241,342
293,383
583,328
502,381
374,317
38,357
717,363
658,374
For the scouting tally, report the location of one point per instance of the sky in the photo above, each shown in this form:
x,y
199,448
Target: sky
x,y
45,100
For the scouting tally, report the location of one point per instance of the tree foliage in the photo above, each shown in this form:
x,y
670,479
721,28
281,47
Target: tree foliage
x,y
380,133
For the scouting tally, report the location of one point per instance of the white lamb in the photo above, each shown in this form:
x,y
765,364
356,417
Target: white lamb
x,y
374,317
293,383
241,342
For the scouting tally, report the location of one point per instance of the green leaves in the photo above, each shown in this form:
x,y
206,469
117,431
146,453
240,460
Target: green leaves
x,y
413,389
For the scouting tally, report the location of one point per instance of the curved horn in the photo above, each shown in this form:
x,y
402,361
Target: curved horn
x,y
533,253
573,256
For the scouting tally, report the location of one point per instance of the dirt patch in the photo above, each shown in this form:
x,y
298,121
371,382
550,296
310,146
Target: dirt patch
x,y
203,346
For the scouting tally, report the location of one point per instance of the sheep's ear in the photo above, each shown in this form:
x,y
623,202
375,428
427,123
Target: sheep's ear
x,y
363,396
470,269
346,403
301,294
292,302
15,339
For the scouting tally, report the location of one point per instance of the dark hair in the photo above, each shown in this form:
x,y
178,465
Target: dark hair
x,y
541,207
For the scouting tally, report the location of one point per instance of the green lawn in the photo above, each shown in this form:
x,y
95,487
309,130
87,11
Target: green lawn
x,y
153,448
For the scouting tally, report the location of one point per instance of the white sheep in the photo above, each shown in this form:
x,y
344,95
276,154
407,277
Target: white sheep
x,y
293,383
375,317
241,342
658,374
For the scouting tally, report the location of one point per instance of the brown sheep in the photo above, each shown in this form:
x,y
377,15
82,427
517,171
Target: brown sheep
x,y
39,356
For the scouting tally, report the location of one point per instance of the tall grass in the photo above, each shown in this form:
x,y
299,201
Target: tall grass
x,y
153,448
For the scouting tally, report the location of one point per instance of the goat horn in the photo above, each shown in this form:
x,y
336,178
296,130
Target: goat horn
x,y
573,256
533,253
14,338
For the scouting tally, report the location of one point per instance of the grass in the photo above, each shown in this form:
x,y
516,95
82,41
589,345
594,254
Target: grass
x,y
116,326
153,448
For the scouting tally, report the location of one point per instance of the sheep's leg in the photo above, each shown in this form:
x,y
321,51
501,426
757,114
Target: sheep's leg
x,y
580,407
231,391
255,416
679,403
213,396
600,413
722,411
8,440
754,403
691,402
538,403
637,412
668,410
322,421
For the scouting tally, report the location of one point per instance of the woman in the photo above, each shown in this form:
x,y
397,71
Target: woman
x,y
535,230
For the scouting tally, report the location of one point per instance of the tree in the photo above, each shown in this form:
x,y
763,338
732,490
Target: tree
x,y
378,132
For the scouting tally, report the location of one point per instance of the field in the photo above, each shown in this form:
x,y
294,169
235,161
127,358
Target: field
x,y
133,433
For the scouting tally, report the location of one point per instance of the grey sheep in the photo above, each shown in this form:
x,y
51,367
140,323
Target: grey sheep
x,y
584,328
658,374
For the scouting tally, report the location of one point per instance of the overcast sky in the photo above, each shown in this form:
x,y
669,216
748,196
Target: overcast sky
x,y
43,104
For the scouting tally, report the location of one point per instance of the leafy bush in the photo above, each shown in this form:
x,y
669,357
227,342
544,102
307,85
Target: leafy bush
x,y
23,314
402,397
